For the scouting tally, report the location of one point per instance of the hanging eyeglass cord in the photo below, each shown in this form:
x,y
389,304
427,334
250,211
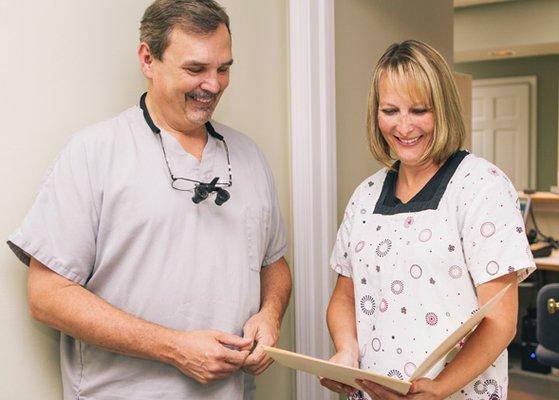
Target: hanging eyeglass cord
x,y
202,190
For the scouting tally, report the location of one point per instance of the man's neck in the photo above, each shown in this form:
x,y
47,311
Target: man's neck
x,y
192,140
160,120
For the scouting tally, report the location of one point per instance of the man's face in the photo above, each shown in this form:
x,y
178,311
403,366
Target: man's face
x,y
188,81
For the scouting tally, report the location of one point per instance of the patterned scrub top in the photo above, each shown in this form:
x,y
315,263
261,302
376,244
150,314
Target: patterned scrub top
x,y
415,266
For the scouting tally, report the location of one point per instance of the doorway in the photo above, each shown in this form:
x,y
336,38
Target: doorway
x,y
503,126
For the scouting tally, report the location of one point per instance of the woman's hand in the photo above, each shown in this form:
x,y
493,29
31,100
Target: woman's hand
x,y
348,359
421,389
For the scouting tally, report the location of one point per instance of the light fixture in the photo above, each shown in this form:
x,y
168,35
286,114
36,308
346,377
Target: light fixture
x,y
503,53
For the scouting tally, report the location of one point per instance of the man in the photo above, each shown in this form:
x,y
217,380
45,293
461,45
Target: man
x,y
156,243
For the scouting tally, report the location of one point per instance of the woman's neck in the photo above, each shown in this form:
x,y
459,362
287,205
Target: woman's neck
x,y
412,178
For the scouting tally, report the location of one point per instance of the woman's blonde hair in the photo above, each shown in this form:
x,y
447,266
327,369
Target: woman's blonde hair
x,y
421,71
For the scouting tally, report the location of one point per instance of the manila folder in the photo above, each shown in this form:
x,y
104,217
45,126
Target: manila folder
x,y
348,375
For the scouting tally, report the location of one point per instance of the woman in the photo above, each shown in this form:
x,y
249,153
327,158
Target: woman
x,y
425,242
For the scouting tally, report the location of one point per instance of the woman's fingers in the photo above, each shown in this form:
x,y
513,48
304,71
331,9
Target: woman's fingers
x,y
336,386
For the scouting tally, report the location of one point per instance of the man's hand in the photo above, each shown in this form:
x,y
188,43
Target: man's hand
x,y
208,356
348,359
202,355
421,389
262,329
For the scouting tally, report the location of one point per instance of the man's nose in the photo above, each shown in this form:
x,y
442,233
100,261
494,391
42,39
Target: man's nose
x,y
211,83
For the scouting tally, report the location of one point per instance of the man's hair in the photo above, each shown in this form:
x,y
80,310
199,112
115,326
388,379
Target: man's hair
x,y
197,17
422,73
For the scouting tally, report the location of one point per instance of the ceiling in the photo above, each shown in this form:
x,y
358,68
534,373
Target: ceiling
x,y
497,29
469,3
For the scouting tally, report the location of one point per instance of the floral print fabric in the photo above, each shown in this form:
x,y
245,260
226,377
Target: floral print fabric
x,y
415,273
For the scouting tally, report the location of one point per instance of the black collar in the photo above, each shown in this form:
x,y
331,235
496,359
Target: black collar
x,y
156,130
427,198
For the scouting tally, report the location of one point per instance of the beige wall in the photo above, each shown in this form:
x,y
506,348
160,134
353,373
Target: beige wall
x,y
364,29
257,103
70,63
527,27
464,85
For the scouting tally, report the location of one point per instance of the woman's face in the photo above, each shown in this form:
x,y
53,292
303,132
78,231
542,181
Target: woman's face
x,y
407,126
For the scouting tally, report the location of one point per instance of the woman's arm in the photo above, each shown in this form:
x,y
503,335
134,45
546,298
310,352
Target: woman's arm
x,y
340,317
490,338
483,347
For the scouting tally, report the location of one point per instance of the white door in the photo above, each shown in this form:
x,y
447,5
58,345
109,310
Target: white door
x,y
501,128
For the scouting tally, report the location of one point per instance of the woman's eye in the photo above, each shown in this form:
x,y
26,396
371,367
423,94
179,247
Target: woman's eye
x,y
419,111
388,111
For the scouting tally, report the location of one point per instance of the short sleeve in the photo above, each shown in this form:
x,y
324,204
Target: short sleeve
x,y
60,229
494,240
277,238
340,260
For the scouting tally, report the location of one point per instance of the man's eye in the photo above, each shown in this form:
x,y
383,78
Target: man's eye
x,y
223,70
194,70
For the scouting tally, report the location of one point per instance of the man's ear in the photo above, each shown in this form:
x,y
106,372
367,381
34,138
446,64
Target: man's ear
x,y
146,60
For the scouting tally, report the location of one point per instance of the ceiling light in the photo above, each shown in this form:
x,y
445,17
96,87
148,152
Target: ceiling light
x,y
503,53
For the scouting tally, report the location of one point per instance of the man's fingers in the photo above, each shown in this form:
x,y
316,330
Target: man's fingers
x,y
258,368
255,364
235,357
249,332
264,366
249,347
230,340
256,357
225,368
215,371
215,376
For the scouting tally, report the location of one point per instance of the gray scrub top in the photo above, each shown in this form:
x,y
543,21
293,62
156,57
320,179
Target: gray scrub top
x,y
107,218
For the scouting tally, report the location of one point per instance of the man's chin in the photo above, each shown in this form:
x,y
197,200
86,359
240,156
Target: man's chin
x,y
200,117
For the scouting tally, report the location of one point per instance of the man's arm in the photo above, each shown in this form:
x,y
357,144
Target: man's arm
x,y
264,326
67,306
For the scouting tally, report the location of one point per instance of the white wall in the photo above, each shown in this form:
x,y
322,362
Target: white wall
x,y
364,29
70,63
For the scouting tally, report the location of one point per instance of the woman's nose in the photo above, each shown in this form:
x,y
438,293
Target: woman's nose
x,y
404,124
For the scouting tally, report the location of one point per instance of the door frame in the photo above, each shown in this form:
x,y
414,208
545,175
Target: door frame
x,y
532,82
313,175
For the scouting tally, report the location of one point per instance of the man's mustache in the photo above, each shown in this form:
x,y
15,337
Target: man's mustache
x,y
202,95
